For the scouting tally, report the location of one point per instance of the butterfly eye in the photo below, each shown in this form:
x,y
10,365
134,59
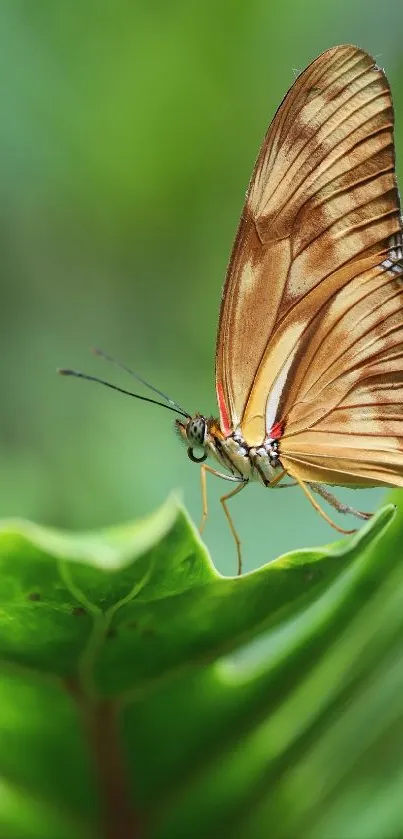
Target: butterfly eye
x,y
196,434
196,431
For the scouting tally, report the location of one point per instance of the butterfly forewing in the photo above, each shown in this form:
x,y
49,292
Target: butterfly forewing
x,y
311,325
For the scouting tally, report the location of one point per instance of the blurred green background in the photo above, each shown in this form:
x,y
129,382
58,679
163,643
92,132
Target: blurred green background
x,y
127,138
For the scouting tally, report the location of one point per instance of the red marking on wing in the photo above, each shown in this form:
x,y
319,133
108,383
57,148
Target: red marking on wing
x,y
224,418
276,431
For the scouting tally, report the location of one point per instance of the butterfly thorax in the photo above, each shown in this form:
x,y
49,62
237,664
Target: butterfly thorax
x,y
205,438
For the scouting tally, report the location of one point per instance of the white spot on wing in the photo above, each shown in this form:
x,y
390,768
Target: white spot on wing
x,y
248,277
275,395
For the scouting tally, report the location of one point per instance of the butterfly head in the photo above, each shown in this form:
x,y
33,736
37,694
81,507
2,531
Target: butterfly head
x,y
194,432
201,433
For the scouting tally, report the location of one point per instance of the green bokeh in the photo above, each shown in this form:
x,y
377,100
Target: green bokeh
x,y
128,134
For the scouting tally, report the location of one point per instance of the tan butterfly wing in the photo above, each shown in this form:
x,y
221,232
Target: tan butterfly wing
x,y
311,323
345,425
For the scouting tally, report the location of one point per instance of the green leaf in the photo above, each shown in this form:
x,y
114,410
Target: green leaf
x,y
144,695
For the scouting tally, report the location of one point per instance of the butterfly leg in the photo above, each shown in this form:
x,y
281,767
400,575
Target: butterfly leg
x,y
334,502
276,481
203,470
318,508
224,499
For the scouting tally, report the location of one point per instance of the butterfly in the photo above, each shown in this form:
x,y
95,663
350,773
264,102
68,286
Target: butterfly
x,y
309,354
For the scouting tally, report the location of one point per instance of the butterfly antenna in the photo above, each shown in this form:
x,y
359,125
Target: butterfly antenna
x,y
78,375
136,376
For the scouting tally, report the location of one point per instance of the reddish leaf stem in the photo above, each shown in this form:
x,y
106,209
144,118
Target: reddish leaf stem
x,y
100,719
